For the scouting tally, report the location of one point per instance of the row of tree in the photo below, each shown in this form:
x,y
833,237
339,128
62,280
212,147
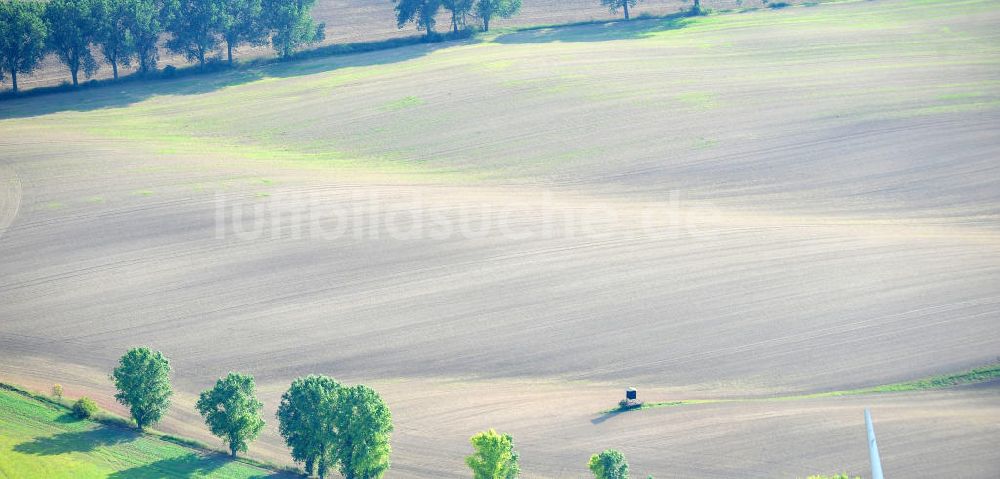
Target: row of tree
x,y
127,31
325,424
424,13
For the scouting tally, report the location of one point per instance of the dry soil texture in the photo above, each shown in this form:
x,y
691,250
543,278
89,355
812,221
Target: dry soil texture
x,y
506,232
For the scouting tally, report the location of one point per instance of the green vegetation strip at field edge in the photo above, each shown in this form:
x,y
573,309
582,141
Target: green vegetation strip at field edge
x,y
972,376
39,437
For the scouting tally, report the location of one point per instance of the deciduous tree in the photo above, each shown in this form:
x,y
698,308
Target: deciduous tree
x,y
192,25
459,9
22,38
85,408
609,464
112,33
306,421
145,24
615,5
239,22
364,425
494,456
232,411
292,25
72,25
487,10
143,382
421,12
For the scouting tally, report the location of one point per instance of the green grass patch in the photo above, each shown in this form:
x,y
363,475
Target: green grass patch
x,y
699,99
39,437
961,95
403,103
702,143
145,126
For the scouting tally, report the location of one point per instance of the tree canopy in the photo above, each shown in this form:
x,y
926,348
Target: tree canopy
x,y
241,21
609,464
145,23
143,382
364,425
112,34
615,5
22,38
192,26
487,10
329,425
292,25
72,25
494,456
459,9
305,420
232,411
421,12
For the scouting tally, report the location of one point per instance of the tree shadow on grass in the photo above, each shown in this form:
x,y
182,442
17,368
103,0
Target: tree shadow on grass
x,y
187,466
77,441
190,81
598,31
67,418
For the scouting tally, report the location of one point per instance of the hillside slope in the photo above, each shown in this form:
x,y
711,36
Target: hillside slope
x,y
506,232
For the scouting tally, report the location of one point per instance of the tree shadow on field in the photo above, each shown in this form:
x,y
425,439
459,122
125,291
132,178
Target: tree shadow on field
x,y
78,441
606,415
598,31
111,94
187,466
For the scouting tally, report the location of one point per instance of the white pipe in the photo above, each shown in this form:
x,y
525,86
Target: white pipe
x,y
873,448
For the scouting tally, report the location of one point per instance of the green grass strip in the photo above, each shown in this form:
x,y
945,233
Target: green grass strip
x,y
943,381
39,437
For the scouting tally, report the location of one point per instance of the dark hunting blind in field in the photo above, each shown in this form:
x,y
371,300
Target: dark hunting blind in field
x,y
631,400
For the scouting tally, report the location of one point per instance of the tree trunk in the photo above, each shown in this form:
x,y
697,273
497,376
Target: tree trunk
x,y
321,472
114,68
229,51
201,58
454,23
696,9
625,2
232,451
486,24
13,78
73,72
